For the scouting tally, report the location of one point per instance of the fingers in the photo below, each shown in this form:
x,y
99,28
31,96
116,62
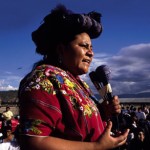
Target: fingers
x,y
109,141
108,127
116,105
122,142
122,138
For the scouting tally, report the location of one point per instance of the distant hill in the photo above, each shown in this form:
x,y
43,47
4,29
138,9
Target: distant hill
x,y
11,96
138,95
8,96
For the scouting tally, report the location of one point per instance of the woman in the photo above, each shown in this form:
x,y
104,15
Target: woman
x,y
57,108
139,141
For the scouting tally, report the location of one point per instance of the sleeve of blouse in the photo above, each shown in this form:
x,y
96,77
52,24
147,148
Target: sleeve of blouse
x,y
40,111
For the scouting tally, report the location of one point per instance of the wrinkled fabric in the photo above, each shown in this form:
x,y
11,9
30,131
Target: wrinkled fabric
x,y
55,103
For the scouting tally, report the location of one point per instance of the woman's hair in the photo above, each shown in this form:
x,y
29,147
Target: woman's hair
x,y
60,26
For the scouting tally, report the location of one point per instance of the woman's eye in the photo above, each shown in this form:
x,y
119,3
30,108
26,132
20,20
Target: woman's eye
x,y
84,45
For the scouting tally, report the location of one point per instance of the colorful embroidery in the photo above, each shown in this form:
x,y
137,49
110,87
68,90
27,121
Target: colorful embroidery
x,y
58,102
30,125
49,79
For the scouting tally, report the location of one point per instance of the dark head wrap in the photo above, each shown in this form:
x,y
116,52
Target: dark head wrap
x,y
61,25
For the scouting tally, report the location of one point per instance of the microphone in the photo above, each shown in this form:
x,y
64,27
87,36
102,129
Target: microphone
x,y
103,75
100,78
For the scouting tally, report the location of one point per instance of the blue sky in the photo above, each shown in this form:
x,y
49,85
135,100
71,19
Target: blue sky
x,y
124,44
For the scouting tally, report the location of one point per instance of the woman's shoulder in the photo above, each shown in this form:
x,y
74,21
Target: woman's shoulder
x,y
49,70
42,74
42,71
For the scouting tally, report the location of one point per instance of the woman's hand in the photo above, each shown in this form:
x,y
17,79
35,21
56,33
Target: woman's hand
x,y
107,141
114,106
108,109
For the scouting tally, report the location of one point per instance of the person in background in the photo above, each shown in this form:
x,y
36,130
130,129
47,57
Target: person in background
x,y
57,108
140,114
145,110
9,140
7,116
138,142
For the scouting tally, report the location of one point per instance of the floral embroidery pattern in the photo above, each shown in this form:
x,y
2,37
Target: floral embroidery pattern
x,y
50,79
30,125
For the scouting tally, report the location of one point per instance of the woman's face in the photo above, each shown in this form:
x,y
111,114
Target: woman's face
x,y
141,136
78,54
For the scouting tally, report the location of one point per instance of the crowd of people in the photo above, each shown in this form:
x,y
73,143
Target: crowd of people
x,y
137,119
8,130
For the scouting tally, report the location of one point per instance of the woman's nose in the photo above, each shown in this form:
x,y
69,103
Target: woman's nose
x,y
90,52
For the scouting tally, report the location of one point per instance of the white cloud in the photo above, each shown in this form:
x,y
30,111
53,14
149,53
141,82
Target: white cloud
x,y
130,69
7,88
8,81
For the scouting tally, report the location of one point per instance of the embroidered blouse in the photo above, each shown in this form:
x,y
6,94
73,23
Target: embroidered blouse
x,y
55,103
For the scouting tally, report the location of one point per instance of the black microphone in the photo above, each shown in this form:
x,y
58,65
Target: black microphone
x,y
103,76
100,78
